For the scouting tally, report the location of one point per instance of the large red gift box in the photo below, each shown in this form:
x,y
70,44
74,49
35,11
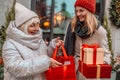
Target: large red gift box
x,y
64,72
95,71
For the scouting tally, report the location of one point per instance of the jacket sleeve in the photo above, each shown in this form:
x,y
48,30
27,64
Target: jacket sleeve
x,y
51,47
104,45
15,65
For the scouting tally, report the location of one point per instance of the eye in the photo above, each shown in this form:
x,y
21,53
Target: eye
x,y
81,10
32,25
76,11
37,24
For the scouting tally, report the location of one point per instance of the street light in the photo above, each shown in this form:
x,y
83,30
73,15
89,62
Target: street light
x,y
59,18
46,24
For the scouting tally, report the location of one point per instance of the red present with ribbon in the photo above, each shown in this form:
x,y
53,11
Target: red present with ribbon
x,y
97,71
95,68
64,72
91,54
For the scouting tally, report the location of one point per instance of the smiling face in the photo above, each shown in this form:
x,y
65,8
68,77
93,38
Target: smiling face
x,y
33,28
80,13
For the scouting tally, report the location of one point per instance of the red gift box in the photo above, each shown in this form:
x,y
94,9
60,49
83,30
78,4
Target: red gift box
x,y
91,54
97,71
65,72
93,70
93,46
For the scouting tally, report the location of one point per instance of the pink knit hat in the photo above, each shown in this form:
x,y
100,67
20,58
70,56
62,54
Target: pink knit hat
x,y
87,4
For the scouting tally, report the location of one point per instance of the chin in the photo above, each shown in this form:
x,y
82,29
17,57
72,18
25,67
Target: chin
x,y
32,33
81,20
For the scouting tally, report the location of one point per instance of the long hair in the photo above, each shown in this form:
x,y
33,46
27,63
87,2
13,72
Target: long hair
x,y
91,22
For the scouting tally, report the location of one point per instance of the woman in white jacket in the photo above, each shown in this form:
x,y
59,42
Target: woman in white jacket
x,y
25,54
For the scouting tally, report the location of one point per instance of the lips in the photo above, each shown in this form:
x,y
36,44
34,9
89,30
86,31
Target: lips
x,y
35,32
81,18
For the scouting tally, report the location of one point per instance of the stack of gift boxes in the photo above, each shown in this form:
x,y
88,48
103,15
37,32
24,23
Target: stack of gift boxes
x,y
91,63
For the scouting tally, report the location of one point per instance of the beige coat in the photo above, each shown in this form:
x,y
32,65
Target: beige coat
x,y
98,37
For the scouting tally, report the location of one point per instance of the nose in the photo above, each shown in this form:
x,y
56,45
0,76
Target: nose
x,y
78,14
36,27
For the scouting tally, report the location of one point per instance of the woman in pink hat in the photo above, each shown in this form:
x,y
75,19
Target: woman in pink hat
x,y
84,28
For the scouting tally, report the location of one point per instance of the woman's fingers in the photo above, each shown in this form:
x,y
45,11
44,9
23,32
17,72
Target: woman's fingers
x,y
58,41
54,63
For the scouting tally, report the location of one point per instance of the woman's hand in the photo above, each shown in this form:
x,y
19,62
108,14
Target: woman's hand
x,y
58,41
54,63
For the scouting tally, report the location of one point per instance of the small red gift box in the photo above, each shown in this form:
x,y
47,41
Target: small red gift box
x,y
91,54
97,71
65,72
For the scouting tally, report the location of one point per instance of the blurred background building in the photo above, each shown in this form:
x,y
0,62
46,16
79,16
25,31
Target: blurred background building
x,y
63,12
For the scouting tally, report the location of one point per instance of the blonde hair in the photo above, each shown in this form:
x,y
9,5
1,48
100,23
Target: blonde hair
x,y
91,22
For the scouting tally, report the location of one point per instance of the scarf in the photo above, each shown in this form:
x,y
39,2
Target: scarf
x,y
81,31
31,41
70,38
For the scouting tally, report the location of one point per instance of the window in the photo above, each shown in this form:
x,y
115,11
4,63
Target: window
x,y
100,7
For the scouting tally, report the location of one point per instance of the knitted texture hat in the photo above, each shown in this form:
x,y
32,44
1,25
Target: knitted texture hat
x,y
25,26
87,4
23,14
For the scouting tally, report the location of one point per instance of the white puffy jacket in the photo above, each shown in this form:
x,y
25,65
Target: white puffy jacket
x,y
25,56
